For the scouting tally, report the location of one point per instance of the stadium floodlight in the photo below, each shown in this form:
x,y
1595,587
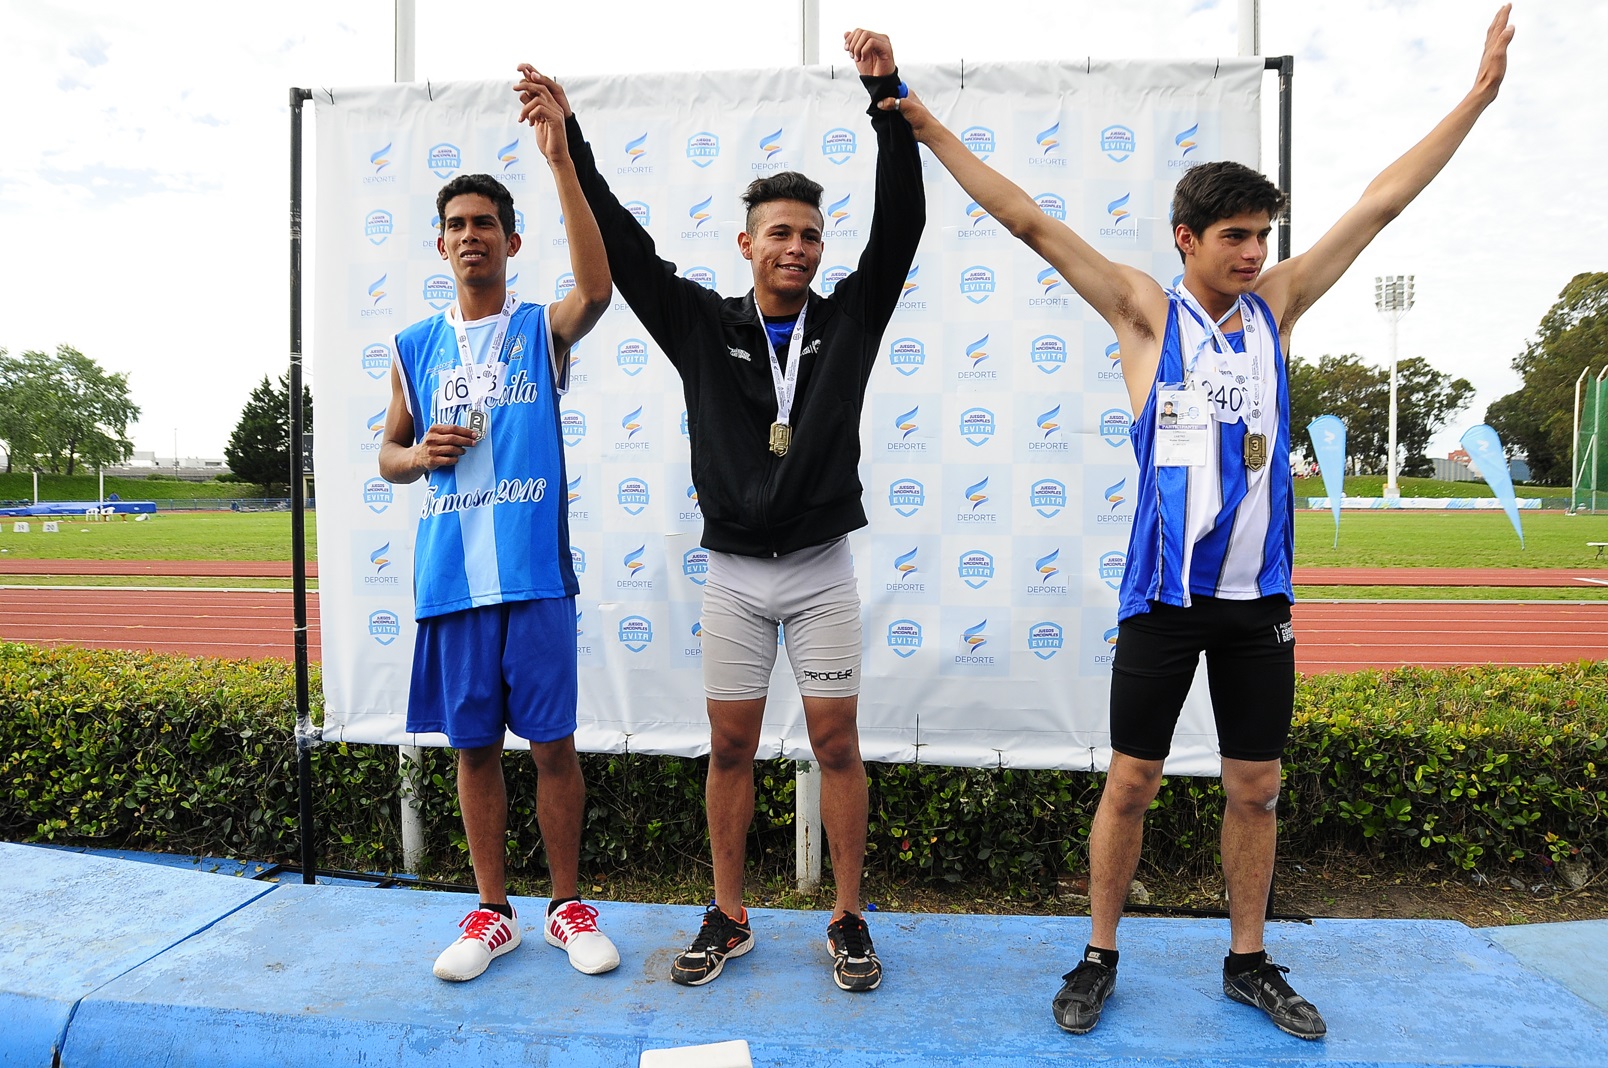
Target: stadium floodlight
x,y
1393,296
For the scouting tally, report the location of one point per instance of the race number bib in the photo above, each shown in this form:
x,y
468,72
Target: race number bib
x,y
455,389
1228,396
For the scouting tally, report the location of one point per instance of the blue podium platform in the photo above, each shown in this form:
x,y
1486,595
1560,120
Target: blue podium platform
x,y
107,962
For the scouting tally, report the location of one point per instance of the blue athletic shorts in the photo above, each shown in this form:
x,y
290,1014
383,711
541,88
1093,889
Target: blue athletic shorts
x,y
503,667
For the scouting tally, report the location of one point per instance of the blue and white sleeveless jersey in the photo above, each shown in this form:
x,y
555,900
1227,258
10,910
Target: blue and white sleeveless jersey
x,y
495,526
1218,530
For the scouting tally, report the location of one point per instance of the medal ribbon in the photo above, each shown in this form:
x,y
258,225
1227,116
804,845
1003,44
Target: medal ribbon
x,y
466,357
1216,337
785,385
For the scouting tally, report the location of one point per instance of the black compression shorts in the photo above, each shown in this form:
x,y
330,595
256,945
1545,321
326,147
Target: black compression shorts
x,y
1250,667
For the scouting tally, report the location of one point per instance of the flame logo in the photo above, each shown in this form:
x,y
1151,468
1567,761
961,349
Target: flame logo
x,y
697,628
1113,352
910,282
1045,565
1118,208
380,559
380,160
1047,423
771,143
697,212
838,211
630,423
506,154
692,494
1049,278
976,212
377,289
905,564
976,352
633,559
574,489
1047,139
906,422
1111,636
973,637
1113,494
634,148
376,423
1183,140
975,493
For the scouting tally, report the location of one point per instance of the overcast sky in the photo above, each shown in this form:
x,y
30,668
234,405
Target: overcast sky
x,y
144,168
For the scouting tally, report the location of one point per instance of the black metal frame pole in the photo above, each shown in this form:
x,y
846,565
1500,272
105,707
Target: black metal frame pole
x,y
1285,65
306,736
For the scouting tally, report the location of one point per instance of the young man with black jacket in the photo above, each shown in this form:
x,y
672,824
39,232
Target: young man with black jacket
x,y
774,383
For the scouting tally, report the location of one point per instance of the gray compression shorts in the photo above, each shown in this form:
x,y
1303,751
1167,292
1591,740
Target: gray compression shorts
x,y
810,593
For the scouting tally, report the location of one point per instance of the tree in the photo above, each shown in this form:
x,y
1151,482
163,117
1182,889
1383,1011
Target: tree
x,y
1344,386
1425,400
259,449
1537,420
63,411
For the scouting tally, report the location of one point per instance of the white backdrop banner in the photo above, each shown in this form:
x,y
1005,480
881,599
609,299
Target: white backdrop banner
x,y
998,474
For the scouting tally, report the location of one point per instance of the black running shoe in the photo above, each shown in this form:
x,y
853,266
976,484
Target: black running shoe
x,y
1264,987
1078,1006
719,937
855,967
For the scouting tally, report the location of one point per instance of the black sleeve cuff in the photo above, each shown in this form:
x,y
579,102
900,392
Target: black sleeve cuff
x,y
881,88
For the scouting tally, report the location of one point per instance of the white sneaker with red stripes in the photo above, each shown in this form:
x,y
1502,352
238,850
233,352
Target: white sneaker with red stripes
x,y
487,935
572,927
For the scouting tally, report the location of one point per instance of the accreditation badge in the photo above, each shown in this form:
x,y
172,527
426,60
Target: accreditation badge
x,y
1183,426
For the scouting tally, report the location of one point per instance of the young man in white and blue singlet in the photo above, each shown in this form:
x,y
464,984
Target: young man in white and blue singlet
x,y
1209,562
474,408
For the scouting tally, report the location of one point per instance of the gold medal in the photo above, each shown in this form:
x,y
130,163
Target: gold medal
x,y
781,438
1255,452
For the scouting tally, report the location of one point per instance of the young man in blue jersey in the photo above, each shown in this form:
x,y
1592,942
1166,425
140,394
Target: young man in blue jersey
x,y
474,408
774,383
1210,557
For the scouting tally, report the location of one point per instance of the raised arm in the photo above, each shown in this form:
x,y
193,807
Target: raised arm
x,y
584,305
666,303
899,211
1290,288
1127,298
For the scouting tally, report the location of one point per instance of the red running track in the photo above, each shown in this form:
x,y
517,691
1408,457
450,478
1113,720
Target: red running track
x,y
1343,636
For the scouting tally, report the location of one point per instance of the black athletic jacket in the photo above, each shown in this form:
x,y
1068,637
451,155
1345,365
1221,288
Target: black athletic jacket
x,y
755,503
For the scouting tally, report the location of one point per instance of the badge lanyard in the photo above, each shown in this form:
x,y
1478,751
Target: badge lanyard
x,y
466,359
781,431
1255,443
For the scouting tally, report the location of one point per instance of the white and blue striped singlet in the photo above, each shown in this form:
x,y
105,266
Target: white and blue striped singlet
x,y
495,526
1217,530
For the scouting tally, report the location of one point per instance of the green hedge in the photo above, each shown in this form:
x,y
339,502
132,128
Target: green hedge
x,y
1479,768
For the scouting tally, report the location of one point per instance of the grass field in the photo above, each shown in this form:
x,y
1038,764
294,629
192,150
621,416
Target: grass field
x,y
1367,539
1448,539
165,536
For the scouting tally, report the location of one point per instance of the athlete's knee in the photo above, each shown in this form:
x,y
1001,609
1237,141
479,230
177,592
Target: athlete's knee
x,y
1252,786
556,758
480,757
1130,786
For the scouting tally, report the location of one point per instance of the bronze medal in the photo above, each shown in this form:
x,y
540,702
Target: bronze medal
x,y
1255,452
781,437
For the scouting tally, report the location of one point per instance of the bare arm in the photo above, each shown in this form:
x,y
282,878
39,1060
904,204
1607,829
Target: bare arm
x,y
401,460
584,305
1290,288
1128,299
